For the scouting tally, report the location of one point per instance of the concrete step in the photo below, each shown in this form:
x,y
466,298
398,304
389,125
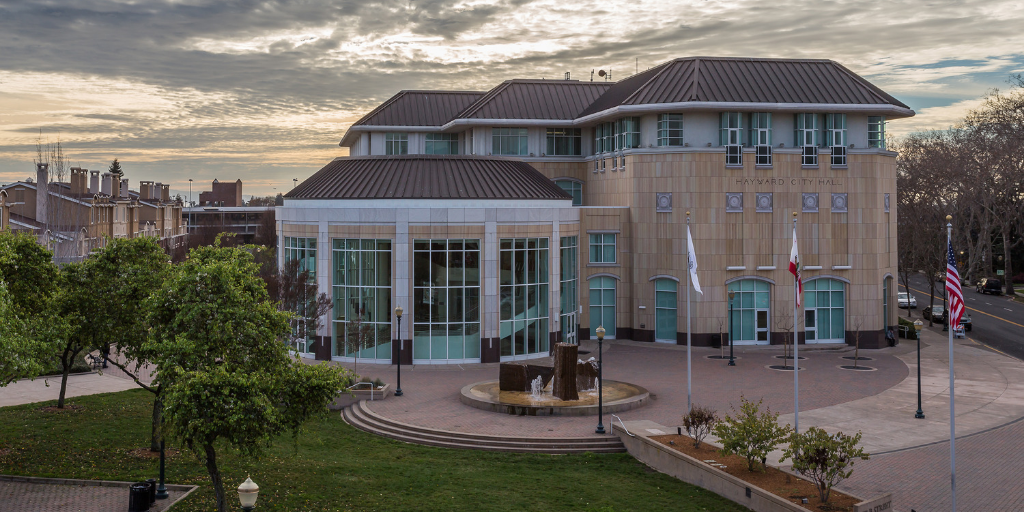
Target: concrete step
x,y
360,417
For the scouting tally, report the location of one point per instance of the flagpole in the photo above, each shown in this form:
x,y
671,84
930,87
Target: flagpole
x,y
952,405
689,403
796,345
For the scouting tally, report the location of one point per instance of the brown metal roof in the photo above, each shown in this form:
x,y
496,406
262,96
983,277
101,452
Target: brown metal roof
x,y
744,80
420,108
427,177
536,99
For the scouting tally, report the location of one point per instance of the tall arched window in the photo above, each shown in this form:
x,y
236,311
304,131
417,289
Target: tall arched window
x,y
602,306
751,311
825,311
665,310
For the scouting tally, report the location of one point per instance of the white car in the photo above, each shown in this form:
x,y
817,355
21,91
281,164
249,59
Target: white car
x,y
906,300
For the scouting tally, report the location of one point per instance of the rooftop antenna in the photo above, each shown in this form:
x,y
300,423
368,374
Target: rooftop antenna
x,y
591,75
637,66
566,75
603,74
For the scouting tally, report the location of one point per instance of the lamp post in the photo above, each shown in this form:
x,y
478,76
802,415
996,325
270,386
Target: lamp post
x,y
732,360
247,494
398,316
161,490
917,327
600,380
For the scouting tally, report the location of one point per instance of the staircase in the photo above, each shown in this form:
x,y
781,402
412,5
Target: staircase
x,y
361,417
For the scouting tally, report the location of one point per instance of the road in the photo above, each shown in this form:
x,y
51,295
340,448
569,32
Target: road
x,y
998,321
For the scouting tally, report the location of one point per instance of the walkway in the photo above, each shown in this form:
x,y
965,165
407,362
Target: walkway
x,y
48,388
21,494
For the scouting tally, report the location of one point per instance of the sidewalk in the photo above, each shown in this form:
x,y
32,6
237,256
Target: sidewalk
x,y
48,388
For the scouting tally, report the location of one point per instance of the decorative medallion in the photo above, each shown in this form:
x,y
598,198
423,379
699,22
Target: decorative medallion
x,y
764,202
839,202
734,201
810,202
664,202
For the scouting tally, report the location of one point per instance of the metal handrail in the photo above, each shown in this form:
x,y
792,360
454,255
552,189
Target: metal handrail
x,y
620,423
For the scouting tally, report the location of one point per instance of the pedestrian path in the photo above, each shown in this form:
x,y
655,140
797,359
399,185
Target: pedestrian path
x,y
48,388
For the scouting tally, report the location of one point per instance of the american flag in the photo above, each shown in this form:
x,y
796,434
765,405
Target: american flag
x,y
956,294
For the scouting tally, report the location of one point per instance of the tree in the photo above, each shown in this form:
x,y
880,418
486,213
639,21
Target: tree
x,y
227,377
299,295
826,459
115,169
124,273
261,201
751,434
76,304
24,349
29,271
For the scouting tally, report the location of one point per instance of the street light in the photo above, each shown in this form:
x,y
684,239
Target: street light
x,y
732,360
247,494
917,327
398,315
600,380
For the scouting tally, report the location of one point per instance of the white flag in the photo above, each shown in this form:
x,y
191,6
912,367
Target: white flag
x,y
692,261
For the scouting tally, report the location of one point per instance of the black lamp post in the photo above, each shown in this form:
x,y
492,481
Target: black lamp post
x,y
600,380
398,316
917,327
732,360
161,489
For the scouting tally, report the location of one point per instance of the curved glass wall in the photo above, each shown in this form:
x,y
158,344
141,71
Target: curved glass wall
x,y
568,280
750,311
362,298
602,306
446,300
825,311
523,297
665,310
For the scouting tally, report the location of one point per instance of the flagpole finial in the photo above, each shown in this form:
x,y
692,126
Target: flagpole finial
x,y
949,218
794,214
687,213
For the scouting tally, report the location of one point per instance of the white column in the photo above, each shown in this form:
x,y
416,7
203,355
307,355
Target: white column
x,y
490,272
555,269
401,251
323,274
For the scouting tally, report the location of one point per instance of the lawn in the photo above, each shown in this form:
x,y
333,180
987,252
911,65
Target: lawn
x,y
332,466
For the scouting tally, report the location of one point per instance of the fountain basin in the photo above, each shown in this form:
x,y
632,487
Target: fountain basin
x,y
618,396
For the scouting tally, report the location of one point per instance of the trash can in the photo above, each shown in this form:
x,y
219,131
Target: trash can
x,y
716,340
138,497
152,489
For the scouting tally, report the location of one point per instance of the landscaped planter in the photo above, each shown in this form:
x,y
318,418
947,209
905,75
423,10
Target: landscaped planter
x,y
360,391
688,469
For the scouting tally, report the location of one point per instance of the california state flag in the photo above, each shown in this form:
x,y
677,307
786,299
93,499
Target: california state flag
x,y
794,268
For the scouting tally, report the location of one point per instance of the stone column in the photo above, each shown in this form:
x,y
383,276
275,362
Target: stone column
x,y
402,258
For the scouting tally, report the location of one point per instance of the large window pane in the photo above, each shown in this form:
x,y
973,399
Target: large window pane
x,y
362,298
451,295
523,299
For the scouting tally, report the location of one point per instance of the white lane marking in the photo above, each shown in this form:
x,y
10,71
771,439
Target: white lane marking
x,y
1008,309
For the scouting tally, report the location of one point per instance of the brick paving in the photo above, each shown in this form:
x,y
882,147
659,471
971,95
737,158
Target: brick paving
x,y
431,393
44,495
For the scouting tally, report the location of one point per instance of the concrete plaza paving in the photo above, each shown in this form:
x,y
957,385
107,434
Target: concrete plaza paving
x,y
26,494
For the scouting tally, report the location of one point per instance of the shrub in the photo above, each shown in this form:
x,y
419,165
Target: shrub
x,y
826,459
751,434
377,383
699,422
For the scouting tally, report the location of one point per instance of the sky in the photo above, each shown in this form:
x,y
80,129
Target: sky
x,y
264,90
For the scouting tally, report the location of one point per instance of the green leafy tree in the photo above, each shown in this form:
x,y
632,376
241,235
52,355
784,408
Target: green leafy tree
x,y
24,347
223,363
826,459
751,434
77,304
115,169
124,274
29,271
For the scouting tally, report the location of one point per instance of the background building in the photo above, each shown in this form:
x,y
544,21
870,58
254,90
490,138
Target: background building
x,y
740,143
223,194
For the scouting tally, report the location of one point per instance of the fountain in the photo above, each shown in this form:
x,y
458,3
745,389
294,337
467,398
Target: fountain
x,y
568,388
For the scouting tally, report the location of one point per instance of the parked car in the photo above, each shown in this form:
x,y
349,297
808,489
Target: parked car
x,y
906,300
935,313
965,322
990,285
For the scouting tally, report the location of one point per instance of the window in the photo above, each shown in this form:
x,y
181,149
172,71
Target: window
x,y
599,139
602,306
303,250
750,311
446,300
523,297
602,247
824,311
608,137
564,141
807,138
509,141
761,137
442,144
396,143
567,279
627,133
665,305
362,298
573,188
876,132
835,138
670,130
732,137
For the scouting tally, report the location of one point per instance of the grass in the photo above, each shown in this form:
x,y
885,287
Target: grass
x,y
333,466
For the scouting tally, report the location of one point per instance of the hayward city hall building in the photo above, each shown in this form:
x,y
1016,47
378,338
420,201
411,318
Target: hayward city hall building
x,y
508,220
